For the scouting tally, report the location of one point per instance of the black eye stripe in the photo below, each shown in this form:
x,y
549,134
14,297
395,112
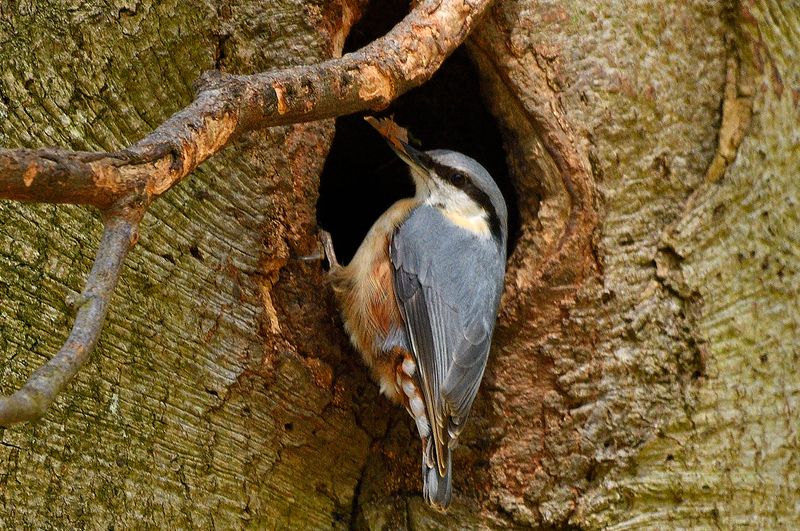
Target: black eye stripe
x,y
475,193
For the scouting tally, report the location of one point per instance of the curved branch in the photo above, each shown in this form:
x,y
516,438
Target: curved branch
x,y
229,105
225,106
38,393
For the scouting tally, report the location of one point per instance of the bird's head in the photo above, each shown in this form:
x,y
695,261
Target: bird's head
x,y
456,184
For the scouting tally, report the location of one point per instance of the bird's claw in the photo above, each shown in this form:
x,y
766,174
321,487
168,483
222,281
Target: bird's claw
x,y
327,247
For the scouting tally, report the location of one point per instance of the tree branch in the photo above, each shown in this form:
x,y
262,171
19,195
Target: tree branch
x,y
229,105
40,390
225,107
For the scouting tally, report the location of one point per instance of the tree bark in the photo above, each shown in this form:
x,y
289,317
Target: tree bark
x,y
209,401
644,372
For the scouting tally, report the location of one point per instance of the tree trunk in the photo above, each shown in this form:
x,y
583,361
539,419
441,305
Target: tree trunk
x,y
221,389
644,371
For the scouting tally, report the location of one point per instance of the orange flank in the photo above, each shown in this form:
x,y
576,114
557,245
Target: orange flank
x,y
365,289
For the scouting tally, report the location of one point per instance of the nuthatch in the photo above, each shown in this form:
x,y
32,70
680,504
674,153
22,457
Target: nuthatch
x,y
419,298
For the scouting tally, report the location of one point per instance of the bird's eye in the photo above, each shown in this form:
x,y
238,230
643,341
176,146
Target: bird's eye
x,y
457,179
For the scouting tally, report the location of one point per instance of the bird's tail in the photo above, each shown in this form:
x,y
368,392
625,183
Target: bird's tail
x,y
436,489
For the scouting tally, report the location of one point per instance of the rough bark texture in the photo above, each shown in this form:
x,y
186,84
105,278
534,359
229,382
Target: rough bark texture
x,y
645,368
207,401
728,458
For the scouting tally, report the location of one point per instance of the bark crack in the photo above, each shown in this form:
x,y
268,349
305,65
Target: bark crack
x,y
737,111
354,505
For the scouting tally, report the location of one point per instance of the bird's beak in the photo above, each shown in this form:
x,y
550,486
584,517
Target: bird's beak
x,y
420,164
412,156
397,138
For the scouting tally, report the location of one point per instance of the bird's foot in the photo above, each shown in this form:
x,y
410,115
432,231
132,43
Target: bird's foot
x,y
327,247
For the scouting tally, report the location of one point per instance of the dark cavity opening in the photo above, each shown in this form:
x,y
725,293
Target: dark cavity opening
x,y
362,177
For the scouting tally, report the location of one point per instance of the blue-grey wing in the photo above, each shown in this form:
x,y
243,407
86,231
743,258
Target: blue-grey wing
x,y
448,284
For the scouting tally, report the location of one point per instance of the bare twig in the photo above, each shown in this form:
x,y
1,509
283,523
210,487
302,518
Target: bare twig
x,y
40,390
225,106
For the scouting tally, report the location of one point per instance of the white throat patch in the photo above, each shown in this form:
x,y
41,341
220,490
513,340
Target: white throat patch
x,y
460,209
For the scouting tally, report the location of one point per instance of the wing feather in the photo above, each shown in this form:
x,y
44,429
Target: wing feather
x,y
448,284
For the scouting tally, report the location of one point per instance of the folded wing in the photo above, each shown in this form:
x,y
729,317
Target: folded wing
x,y
448,284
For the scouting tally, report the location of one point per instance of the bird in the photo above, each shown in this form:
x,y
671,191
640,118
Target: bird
x,y
420,297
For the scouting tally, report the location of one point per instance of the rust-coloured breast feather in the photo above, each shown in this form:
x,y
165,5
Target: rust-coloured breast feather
x,y
365,292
